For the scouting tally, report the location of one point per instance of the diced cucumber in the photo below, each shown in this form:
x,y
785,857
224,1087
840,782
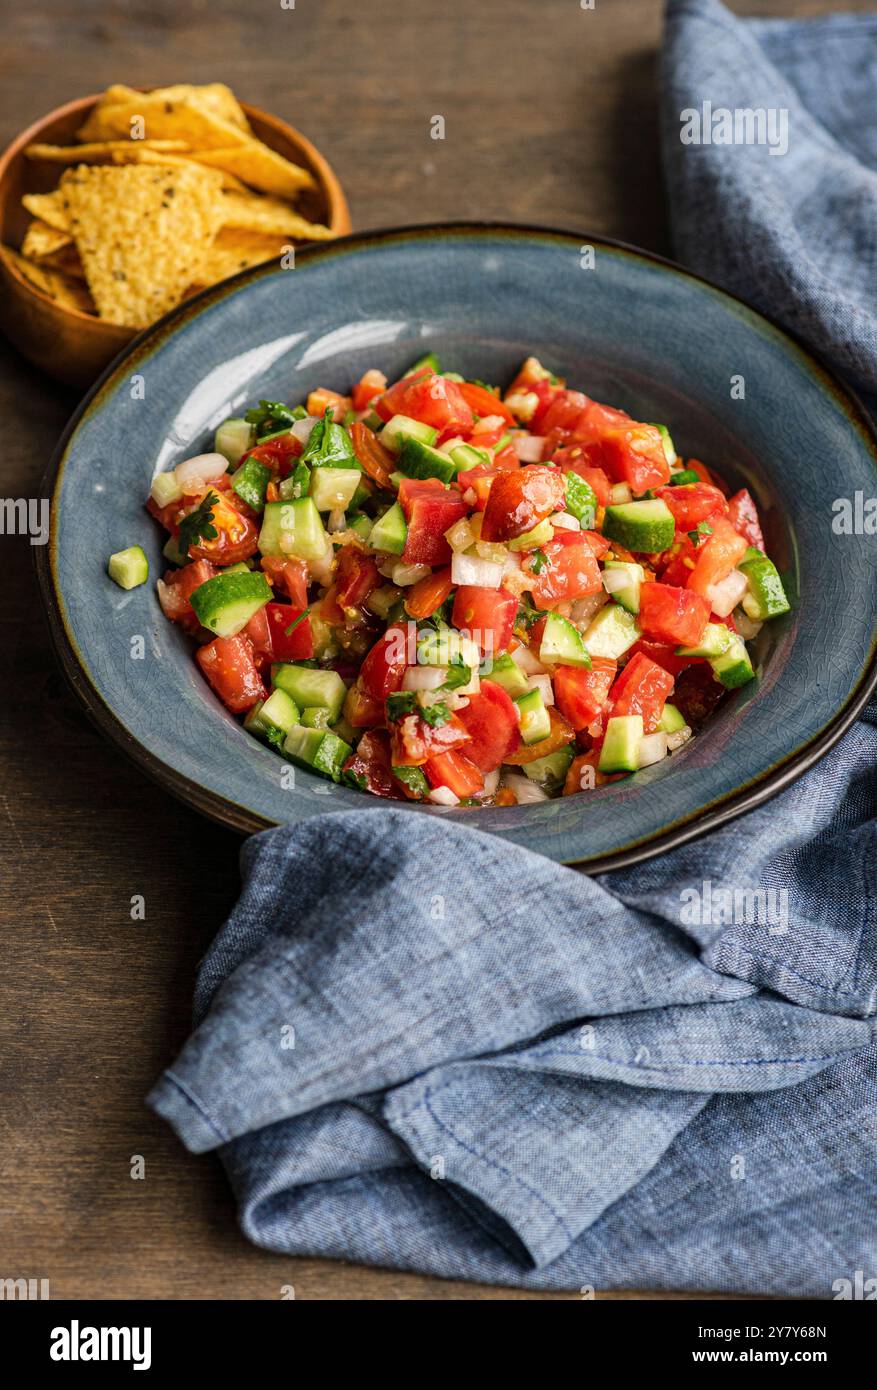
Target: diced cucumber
x,y
173,551
165,489
128,568
534,718
766,597
733,668
250,482
671,720
628,597
227,602
562,643
646,527
293,528
619,751
390,531
531,540
318,749
610,632
683,477
333,488
466,456
715,639
581,500
423,461
429,360
445,647
413,778
296,485
315,717
506,673
362,494
396,479
402,427
233,438
361,524
669,450
276,715
550,772
308,686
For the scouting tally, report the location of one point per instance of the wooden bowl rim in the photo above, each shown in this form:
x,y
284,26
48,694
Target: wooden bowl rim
x,y
336,203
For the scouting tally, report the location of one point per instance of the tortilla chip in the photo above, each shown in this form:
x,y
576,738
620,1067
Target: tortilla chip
x,y
163,118
100,152
225,180
69,294
261,168
66,259
143,233
236,250
49,207
271,216
40,239
213,97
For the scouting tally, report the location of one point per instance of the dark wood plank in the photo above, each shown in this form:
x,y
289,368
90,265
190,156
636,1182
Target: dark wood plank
x,y
550,118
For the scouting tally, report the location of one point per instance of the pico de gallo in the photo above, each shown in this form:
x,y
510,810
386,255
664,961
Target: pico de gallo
x,y
433,590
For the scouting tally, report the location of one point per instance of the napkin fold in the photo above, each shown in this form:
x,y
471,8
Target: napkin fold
x,y
417,1047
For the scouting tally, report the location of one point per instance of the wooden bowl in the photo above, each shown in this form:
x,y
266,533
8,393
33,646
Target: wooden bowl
x,y
75,347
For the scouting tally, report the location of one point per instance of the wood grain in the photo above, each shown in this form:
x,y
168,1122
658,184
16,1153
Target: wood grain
x,y
550,118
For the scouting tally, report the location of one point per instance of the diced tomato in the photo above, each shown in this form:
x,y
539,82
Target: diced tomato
x,y
177,588
692,503
429,398
491,720
580,694
573,784
356,577
563,412
545,391
320,400
371,384
483,402
297,645
483,438
595,420
375,460
572,459
228,664
430,509
456,772
664,655
642,688
519,499
486,615
671,614
384,666
361,709
291,574
237,535
561,734
390,402
566,569
480,480
506,459
428,594
258,633
277,454
414,740
371,763
634,454
743,516
716,556
676,564
599,544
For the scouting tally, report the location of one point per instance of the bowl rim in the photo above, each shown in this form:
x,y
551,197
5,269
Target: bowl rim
x,y
336,201
749,795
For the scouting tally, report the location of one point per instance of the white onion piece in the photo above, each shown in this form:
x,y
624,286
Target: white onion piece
x,y
443,796
302,428
424,677
486,424
469,497
524,788
543,684
725,596
620,493
528,447
676,740
745,625
472,569
582,610
613,580
491,781
408,574
337,520
460,536
203,468
523,657
566,521
322,570
651,749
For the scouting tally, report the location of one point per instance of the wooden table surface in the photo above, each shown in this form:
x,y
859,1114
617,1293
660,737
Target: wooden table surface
x,y
550,117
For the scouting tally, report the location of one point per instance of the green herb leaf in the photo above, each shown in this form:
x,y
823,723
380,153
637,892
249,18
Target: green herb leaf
x,y
400,705
435,715
355,779
458,674
295,622
703,530
413,779
329,446
527,615
269,416
198,524
276,737
538,561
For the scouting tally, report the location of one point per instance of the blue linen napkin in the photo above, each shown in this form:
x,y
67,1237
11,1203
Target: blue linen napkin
x,y
417,1048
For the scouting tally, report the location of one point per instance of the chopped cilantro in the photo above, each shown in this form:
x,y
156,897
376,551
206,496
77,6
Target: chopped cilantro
x,y
539,561
276,737
527,615
400,705
198,524
295,622
413,779
355,779
269,416
703,530
458,674
435,715
329,446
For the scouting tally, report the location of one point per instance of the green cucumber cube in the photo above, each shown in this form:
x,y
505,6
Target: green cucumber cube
x,y
250,483
621,744
733,668
128,568
531,540
390,531
562,644
610,632
276,715
315,717
505,672
715,639
534,718
332,489
233,438
646,527
766,597
317,749
309,686
227,602
466,456
423,461
671,720
402,427
293,528
550,772
628,597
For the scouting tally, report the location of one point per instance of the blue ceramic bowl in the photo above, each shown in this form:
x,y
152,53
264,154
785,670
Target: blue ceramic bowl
x,y
634,331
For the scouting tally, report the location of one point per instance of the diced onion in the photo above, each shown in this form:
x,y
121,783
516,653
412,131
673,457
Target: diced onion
x,y
613,580
676,740
380,601
725,595
443,796
524,788
404,575
302,428
746,626
165,489
424,677
460,536
337,520
522,404
652,748
203,468
469,497
523,657
486,424
321,569
472,569
583,609
620,493
566,521
491,781
528,447
543,684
